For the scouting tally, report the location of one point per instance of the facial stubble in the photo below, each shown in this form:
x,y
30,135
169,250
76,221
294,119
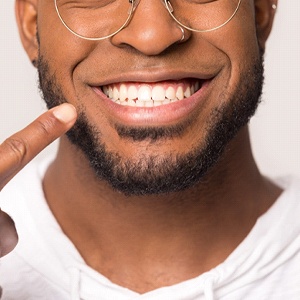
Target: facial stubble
x,y
149,173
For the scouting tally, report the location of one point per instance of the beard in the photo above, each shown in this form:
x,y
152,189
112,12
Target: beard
x,y
149,174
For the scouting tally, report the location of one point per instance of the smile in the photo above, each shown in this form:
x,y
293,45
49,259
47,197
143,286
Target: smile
x,y
151,94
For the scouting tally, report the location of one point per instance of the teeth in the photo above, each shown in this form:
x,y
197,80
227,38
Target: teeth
x,y
166,101
157,103
115,94
131,102
187,92
158,93
179,93
110,92
123,93
139,103
132,92
170,93
148,103
144,93
105,90
148,95
193,90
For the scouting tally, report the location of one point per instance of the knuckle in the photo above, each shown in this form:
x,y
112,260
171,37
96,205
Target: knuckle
x,y
18,147
45,127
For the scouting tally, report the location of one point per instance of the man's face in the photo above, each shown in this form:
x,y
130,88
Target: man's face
x,y
169,147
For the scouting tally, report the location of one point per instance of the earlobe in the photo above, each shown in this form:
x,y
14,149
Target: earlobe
x,y
264,12
26,15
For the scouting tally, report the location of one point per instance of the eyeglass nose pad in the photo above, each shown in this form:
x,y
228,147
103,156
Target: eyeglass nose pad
x,y
168,6
134,3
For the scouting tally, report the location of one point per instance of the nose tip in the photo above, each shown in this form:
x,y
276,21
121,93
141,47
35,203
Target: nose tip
x,y
150,40
151,30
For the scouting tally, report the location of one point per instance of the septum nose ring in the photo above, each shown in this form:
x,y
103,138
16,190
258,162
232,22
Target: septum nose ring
x,y
182,30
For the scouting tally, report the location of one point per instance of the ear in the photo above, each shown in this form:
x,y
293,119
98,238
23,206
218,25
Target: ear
x,y
264,12
26,15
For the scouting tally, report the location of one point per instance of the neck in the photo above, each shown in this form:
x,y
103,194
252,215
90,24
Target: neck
x,y
151,241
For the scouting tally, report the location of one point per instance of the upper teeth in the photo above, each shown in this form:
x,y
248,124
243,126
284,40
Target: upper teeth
x,y
149,94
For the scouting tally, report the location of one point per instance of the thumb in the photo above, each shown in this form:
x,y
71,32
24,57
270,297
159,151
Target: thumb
x,y
8,234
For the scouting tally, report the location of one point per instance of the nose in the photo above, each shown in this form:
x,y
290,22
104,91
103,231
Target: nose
x,y
151,30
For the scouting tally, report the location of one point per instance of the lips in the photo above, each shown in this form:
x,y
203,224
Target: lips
x,y
151,94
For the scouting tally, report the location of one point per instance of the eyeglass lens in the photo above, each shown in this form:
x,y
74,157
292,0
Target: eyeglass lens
x,y
102,18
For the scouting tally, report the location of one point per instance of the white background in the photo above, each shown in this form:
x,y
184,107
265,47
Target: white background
x,y
275,129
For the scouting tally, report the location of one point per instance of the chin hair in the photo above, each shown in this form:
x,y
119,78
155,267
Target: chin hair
x,y
160,173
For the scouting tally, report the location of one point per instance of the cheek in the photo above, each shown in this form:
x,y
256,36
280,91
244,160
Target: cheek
x,y
60,48
238,38
64,53
238,42
243,43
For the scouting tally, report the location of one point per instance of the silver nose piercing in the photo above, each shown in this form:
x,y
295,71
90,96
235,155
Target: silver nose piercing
x,y
182,30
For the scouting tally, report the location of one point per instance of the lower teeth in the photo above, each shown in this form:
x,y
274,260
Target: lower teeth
x,y
138,103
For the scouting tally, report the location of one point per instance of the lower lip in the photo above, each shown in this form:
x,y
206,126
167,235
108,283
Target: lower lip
x,y
165,114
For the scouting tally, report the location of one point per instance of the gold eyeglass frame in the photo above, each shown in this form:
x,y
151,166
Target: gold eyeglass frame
x,y
170,10
134,4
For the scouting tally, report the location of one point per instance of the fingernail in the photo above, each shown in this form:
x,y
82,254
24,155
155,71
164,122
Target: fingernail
x,y
65,113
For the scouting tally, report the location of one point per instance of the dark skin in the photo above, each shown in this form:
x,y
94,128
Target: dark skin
x,y
144,243
19,149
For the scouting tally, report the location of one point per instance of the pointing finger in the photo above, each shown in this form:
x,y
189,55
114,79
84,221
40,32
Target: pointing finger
x,y
20,148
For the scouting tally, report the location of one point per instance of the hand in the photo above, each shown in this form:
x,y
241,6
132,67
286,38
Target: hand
x,y
21,148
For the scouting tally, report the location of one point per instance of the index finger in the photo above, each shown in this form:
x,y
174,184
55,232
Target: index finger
x,y
20,148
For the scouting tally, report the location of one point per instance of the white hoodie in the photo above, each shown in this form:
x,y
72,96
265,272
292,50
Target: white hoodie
x,y
46,265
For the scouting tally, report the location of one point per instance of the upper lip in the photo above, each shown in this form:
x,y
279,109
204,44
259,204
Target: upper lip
x,y
152,76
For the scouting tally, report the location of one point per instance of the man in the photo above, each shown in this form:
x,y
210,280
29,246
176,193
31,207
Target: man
x,y
154,193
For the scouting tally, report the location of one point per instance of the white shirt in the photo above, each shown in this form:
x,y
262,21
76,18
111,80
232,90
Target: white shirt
x,y
46,265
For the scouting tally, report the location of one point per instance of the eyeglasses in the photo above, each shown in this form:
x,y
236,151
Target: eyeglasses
x,y
102,19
